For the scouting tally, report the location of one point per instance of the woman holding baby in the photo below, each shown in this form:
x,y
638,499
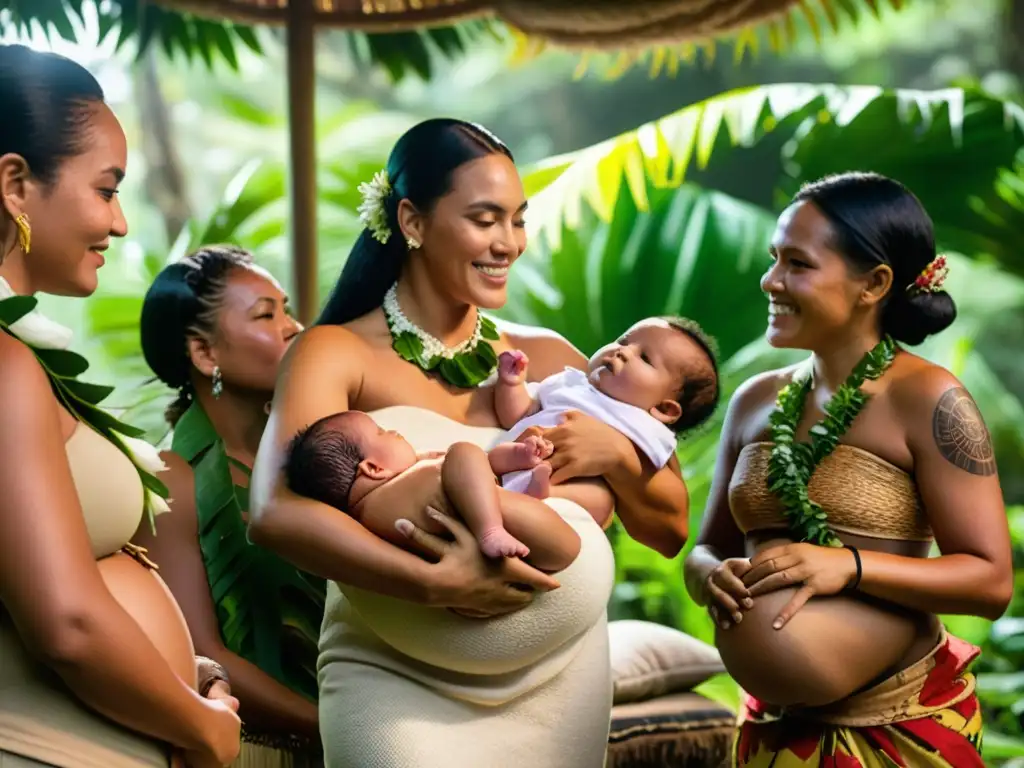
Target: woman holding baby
x,y
402,339
835,478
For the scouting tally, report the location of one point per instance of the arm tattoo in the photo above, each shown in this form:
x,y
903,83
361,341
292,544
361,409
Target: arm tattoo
x,y
961,435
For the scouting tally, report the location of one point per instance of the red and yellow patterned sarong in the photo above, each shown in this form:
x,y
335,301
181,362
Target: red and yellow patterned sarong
x,y
926,716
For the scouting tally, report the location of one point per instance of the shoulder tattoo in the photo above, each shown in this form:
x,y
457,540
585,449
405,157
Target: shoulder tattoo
x,y
961,435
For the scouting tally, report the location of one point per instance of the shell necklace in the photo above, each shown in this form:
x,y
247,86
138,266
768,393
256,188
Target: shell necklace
x,y
465,365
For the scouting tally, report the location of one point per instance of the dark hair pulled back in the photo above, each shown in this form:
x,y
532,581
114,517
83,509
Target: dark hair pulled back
x,y
45,101
420,169
876,220
183,303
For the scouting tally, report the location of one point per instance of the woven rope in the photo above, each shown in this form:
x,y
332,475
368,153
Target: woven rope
x,y
574,23
861,493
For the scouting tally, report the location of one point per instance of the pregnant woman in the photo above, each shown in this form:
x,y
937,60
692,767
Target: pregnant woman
x,y
403,683
96,663
834,478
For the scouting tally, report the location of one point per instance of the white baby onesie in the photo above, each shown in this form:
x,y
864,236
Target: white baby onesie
x,y
570,390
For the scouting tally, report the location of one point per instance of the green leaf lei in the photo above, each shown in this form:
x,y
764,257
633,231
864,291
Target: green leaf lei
x,y
268,611
79,397
466,369
792,463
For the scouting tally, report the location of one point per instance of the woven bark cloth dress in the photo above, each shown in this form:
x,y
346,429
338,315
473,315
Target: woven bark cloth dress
x,y
404,686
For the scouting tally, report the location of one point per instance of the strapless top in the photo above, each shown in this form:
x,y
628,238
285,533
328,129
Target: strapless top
x,y
39,717
861,493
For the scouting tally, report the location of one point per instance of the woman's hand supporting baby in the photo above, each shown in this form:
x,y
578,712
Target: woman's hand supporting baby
x,y
583,447
506,585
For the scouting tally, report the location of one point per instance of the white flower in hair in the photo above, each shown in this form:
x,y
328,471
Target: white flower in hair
x,y
371,211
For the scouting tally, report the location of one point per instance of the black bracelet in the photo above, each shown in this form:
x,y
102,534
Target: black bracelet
x,y
860,570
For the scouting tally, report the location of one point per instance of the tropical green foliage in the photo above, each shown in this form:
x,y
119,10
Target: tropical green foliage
x,y
974,195
177,33
145,23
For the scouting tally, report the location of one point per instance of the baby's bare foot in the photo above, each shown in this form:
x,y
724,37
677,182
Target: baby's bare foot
x,y
540,481
524,455
541,448
497,542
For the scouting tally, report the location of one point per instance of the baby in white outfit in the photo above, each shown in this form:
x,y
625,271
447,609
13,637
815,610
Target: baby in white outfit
x,y
659,379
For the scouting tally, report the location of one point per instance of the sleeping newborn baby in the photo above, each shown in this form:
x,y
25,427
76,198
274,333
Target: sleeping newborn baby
x,y
659,379
347,461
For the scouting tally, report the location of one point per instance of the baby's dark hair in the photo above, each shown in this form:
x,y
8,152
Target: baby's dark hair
x,y
323,461
700,392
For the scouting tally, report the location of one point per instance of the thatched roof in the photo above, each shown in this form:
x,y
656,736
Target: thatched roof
x,y
573,23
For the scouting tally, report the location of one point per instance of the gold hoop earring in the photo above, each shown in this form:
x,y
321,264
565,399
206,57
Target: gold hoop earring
x,y
24,233
412,242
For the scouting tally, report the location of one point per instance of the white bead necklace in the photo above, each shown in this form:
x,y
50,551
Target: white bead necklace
x,y
432,346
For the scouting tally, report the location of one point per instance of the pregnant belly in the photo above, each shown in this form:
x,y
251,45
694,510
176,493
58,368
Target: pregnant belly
x,y
145,597
832,647
507,643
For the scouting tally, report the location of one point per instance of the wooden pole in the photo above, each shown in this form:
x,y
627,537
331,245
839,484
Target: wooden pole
x,y
302,136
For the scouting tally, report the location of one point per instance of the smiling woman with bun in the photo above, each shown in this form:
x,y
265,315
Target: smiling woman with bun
x,y
834,479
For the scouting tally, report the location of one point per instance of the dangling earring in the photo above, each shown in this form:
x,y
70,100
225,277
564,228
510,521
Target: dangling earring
x,y
412,242
24,233
218,382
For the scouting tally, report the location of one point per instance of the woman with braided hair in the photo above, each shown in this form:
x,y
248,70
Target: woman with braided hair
x,y
214,327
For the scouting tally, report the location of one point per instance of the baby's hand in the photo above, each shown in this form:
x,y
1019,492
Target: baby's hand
x,y
512,367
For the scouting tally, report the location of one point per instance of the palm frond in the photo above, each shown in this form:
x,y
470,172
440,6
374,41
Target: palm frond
x,y
144,23
960,152
930,129
196,37
402,54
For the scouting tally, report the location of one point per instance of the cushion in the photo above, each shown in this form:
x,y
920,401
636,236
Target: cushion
x,y
650,660
683,730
